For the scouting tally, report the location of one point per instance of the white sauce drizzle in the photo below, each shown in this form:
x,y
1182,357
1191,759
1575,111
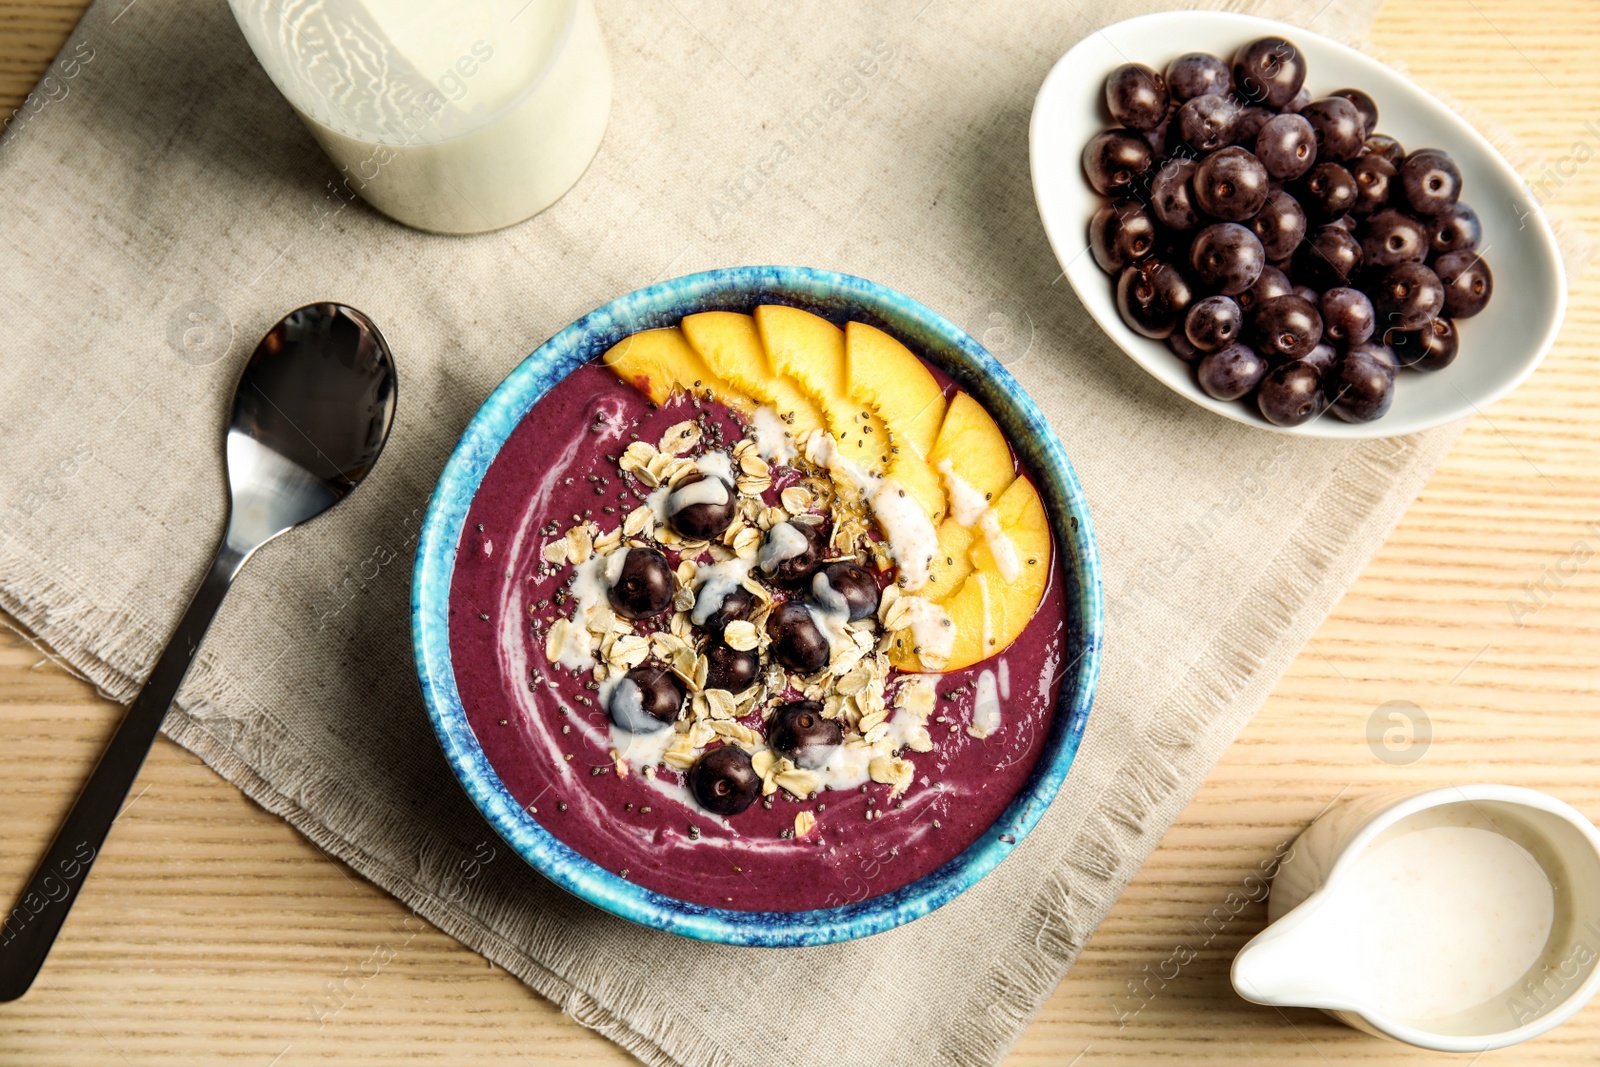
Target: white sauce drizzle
x,y
709,490
932,630
717,465
657,502
831,624
590,580
986,709
1000,546
831,600
784,541
912,540
714,584
967,505
641,750
772,437
626,708
846,766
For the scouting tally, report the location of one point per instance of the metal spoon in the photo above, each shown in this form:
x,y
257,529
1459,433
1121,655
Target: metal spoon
x,y
310,416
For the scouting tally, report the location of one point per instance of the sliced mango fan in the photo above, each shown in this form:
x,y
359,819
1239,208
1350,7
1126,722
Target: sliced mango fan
x,y
861,406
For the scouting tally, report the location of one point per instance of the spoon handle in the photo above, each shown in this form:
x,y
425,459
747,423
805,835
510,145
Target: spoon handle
x,y
27,933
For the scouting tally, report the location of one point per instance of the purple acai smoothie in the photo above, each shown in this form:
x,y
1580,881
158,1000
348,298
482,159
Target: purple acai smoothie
x,y
605,792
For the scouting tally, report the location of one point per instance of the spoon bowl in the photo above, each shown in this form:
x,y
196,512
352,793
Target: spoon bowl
x,y
310,416
328,365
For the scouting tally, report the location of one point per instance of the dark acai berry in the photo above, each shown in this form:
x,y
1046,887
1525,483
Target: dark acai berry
x,y
729,668
1280,226
1380,351
716,606
1348,317
1457,230
1157,138
643,584
1227,257
1391,237
1431,348
1374,177
1273,282
1430,182
1268,71
1197,74
791,552
1407,296
1337,125
1247,125
1365,106
1179,346
1213,323
1327,191
645,700
1136,96
1287,327
1467,283
1231,372
1298,104
797,641
799,731
846,588
1172,195
1360,387
1291,394
1286,146
1230,184
701,507
1115,160
1121,232
724,781
1152,296
1205,123
1381,144
1322,357
1330,256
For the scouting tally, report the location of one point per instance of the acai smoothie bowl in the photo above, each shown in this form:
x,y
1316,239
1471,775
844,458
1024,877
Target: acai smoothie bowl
x,y
761,606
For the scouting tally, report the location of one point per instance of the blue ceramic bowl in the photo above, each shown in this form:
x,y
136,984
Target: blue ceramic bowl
x,y
835,296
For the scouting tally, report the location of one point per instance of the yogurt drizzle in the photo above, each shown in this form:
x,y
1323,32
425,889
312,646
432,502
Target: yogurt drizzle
x,y
910,534
970,508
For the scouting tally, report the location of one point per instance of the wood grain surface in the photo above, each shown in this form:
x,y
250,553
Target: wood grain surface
x,y
212,933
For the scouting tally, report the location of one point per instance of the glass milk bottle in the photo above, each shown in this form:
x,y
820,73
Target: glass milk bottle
x,y
455,116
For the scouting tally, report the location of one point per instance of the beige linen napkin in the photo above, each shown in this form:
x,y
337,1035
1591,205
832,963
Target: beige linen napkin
x,y
162,207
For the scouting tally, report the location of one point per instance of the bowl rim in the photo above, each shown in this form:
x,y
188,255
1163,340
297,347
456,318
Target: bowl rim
x,y
1057,228
665,303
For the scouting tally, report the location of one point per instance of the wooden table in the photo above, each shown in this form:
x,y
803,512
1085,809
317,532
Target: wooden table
x,y
212,927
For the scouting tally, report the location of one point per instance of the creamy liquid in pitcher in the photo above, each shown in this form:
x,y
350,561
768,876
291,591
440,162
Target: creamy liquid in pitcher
x,y
449,115
1443,919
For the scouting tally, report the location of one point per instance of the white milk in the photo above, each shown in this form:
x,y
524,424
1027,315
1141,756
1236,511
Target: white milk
x,y
456,116
1444,919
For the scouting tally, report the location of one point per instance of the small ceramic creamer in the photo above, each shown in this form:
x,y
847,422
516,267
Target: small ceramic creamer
x,y
1460,919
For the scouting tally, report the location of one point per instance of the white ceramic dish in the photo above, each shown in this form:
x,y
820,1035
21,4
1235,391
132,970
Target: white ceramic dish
x,y
1306,958
1500,347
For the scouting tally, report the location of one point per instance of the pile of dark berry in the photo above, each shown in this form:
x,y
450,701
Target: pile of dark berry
x,y
1280,245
